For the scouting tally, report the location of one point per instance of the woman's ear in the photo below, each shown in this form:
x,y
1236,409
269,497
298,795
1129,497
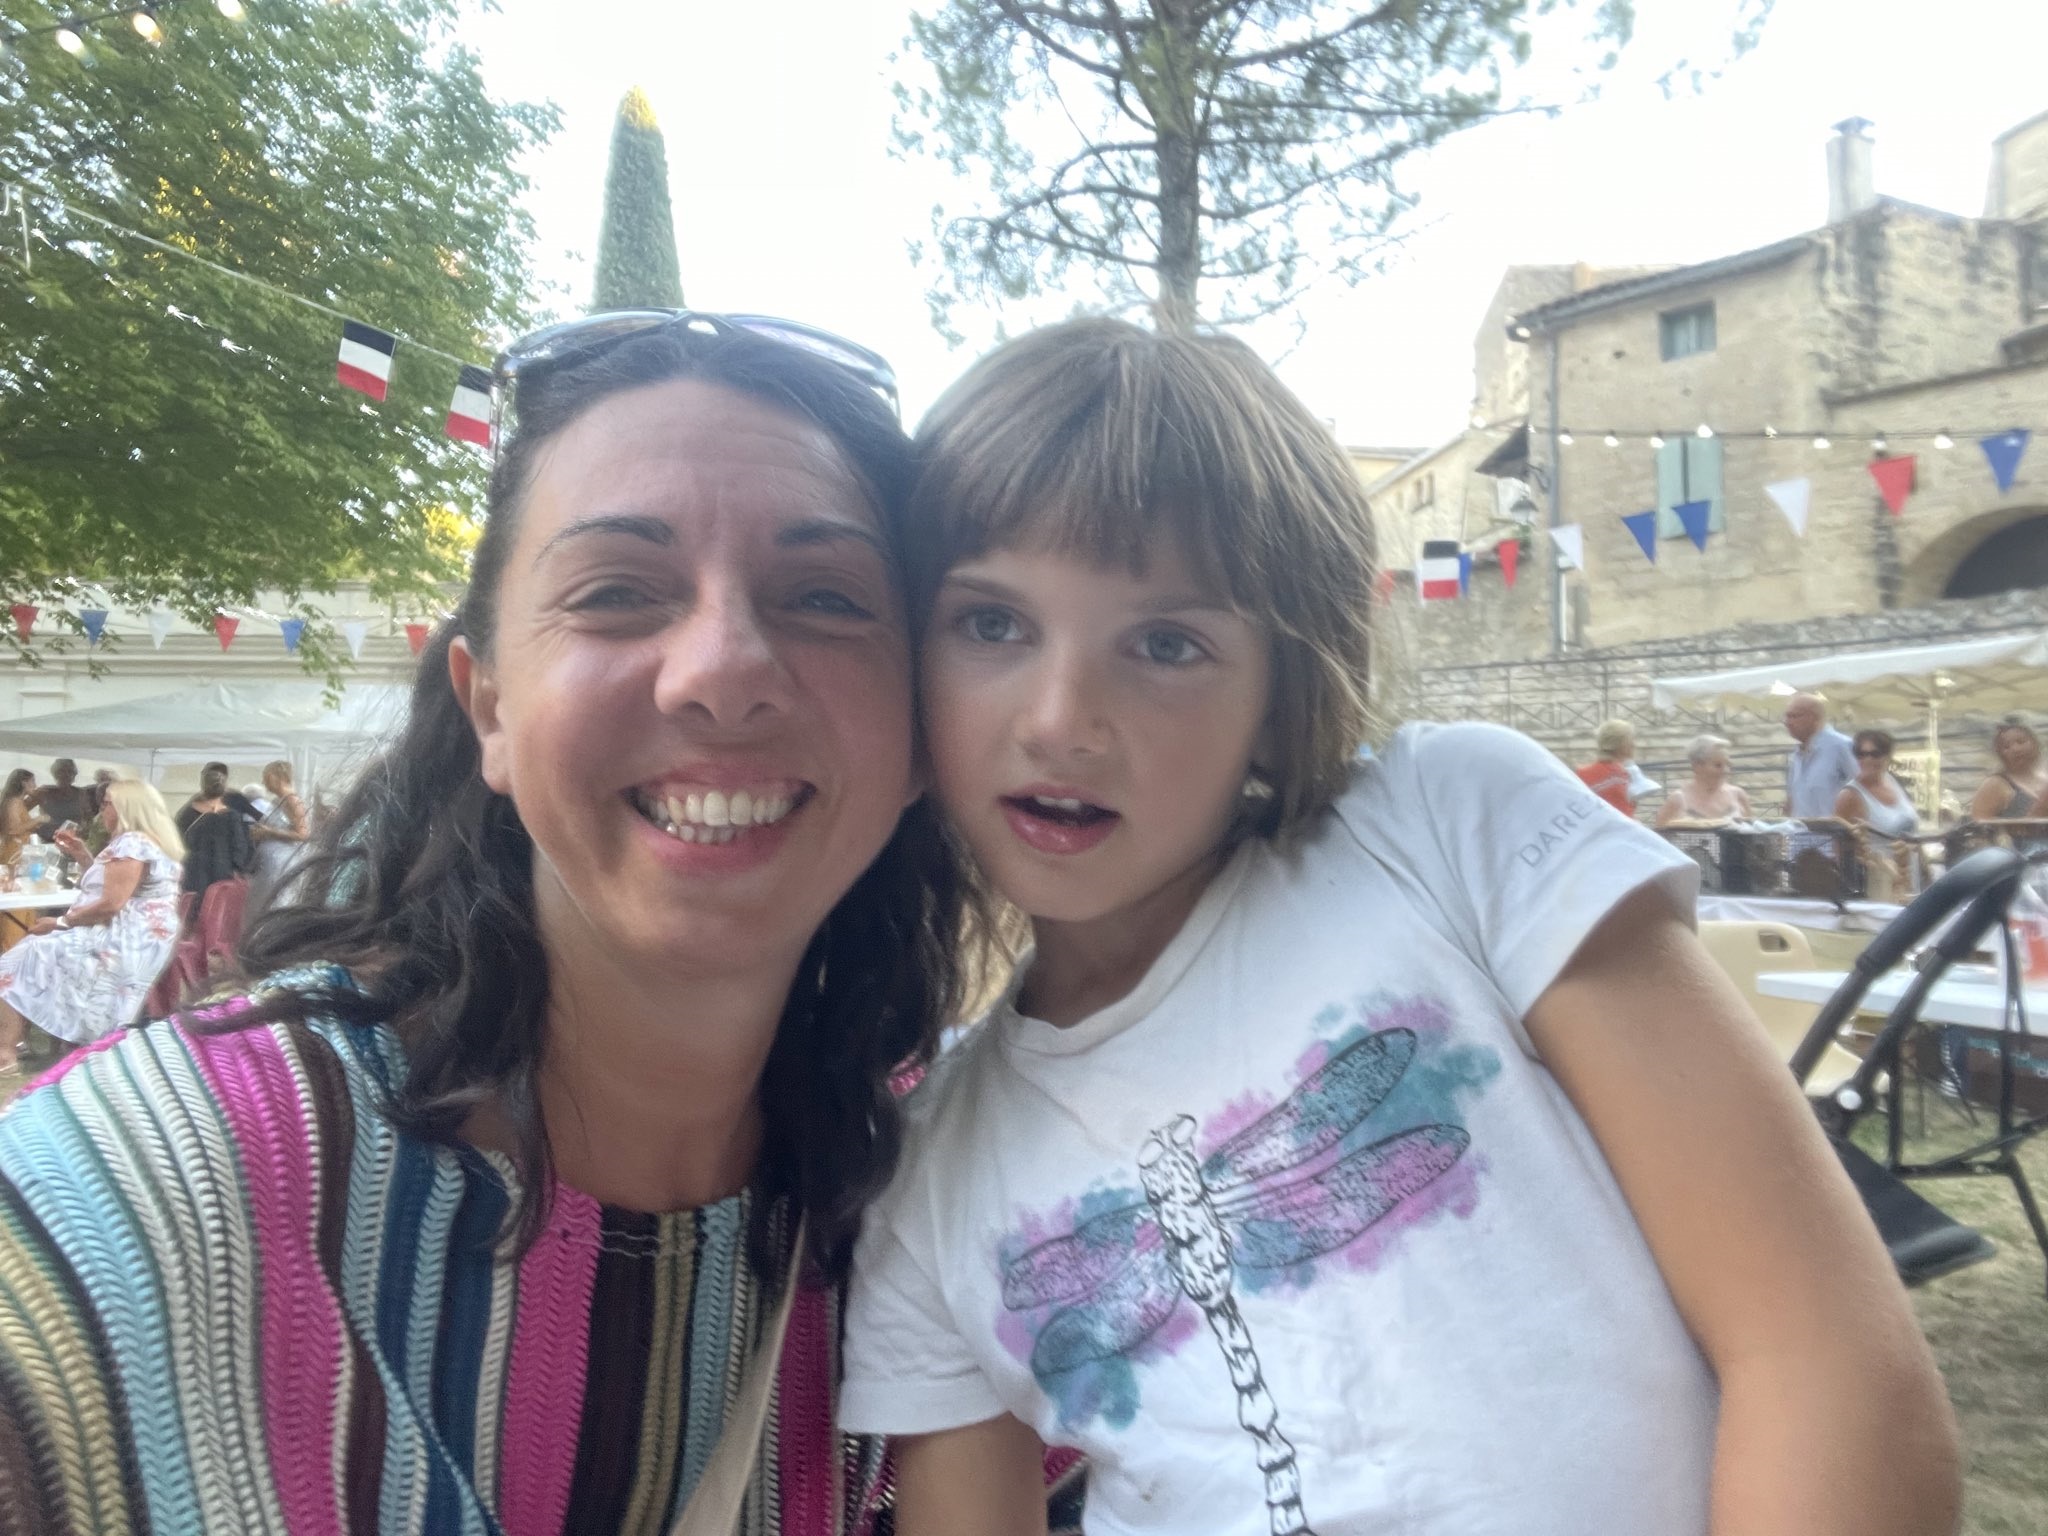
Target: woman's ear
x,y
476,690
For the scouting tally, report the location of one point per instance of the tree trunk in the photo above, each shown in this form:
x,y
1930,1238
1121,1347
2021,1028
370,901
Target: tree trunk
x,y
1180,234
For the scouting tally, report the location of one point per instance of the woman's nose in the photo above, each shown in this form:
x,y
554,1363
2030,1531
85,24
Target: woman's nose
x,y
720,661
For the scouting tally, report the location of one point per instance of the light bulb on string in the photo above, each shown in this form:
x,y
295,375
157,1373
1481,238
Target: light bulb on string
x,y
1611,440
1656,439
1943,440
1880,444
69,40
1704,430
1565,439
1820,441
232,9
146,26
1769,430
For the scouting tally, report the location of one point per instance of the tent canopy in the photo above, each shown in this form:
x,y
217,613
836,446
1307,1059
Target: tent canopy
x,y
1983,677
240,722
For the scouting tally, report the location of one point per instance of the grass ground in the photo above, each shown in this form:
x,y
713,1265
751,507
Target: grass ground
x,y
1989,1328
1988,1325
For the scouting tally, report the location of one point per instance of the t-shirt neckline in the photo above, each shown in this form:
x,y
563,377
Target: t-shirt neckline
x,y
1037,1037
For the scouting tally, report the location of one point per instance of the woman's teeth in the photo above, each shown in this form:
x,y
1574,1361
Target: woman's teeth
x,y
712,815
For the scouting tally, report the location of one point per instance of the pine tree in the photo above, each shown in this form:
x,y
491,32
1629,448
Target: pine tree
x,y
636,245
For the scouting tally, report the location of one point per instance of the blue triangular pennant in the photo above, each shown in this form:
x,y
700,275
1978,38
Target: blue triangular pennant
x,y
292,629
1644,526
1692,517
95,622
2004,451
1464,572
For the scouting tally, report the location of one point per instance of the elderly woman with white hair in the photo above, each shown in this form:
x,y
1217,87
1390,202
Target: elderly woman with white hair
x,y
1707,796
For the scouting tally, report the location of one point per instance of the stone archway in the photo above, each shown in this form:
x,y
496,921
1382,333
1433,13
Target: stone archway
x,y
2014,558
1933,572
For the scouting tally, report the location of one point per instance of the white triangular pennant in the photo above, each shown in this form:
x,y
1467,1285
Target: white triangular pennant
x,y
355,632
160,625
1571,545
1793,497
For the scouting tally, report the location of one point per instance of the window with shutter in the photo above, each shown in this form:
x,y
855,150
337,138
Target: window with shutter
x,y
1686,332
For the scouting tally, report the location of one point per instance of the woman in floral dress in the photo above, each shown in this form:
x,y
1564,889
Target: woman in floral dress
x,y
86,973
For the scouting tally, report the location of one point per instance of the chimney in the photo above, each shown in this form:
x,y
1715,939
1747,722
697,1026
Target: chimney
x,y
1852,186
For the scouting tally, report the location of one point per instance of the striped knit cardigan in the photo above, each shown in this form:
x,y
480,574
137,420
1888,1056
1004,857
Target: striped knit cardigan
x,y
234,1298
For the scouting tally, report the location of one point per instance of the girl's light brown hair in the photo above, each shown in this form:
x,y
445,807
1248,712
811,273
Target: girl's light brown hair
x,y
1094,437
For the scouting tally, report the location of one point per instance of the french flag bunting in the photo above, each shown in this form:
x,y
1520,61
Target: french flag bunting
x,y
365,361
469,413
1440,572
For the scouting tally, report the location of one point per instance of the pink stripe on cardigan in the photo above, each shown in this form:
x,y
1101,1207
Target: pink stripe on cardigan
x,y
301,1323
545,1381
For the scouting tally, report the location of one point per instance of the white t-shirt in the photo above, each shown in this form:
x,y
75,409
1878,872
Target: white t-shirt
x,y
1433,1311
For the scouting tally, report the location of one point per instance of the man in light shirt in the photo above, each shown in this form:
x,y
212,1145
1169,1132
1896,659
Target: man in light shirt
x,y
1820,765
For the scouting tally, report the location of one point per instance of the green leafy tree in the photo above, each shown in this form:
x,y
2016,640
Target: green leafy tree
x,y
1162,145
636,244
172,434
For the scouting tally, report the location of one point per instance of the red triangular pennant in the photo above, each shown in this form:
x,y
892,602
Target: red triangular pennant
x,y
1510,552
225,627
416,637
1894,479
24,618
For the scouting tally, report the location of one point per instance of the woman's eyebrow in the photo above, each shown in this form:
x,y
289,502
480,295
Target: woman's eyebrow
x,y
652,529
828,530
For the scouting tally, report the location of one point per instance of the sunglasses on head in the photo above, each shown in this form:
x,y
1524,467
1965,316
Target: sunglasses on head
x,y
578,341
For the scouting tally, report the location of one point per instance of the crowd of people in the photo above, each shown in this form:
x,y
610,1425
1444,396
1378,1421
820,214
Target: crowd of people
x,y
545,1168
1828,776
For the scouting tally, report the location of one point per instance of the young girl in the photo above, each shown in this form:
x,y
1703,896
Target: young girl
x,y
1362,1146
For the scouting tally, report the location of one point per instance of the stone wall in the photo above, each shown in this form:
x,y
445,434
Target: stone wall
x,y
1561,702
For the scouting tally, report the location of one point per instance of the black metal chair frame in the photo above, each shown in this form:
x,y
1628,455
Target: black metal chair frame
x,y
1983,887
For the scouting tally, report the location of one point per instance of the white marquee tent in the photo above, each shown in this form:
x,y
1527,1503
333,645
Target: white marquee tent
x,y
1992,676
235,722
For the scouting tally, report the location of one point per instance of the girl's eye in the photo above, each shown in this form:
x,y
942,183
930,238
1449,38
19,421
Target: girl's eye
x,y
1170,648
991,626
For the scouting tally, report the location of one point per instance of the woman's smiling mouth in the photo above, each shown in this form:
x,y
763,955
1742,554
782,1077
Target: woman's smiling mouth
x,y
694,814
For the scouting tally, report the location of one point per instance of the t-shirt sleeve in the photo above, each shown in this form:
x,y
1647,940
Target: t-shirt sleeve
x,y
909,1369
1527,860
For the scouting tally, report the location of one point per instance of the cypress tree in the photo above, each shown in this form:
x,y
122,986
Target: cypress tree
x,y
636,244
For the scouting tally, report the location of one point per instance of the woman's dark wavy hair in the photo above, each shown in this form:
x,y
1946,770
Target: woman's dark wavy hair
x,y
421,884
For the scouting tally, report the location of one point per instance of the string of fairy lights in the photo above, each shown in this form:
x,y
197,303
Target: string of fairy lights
x,y
73,34
1941,439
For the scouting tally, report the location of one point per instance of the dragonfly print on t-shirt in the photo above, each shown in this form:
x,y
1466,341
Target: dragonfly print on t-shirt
x,y
1366,1145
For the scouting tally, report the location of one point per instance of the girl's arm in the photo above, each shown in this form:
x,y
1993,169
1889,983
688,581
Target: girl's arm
x,y
987,1479
1833,1418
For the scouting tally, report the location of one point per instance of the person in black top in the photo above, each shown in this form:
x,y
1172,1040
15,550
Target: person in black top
x,y
216,832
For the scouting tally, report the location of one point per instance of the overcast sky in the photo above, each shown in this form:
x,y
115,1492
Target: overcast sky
x,y
787,200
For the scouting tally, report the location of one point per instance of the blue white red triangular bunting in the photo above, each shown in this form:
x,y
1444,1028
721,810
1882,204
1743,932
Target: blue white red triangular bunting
x,y
1644,526
365,360
1464,571
1439,573
469,413
95,622
24,615
1793,498
291,629
1692,517
1570,542
1894,479
2005,451
355,632
160,624
1509,552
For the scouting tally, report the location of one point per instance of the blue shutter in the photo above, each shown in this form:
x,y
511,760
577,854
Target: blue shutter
x,y
1670,487
1703,477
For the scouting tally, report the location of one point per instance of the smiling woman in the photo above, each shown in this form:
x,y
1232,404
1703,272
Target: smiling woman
x,y
564,1063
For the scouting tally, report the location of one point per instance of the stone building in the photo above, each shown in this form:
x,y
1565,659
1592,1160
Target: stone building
x,y
1894,330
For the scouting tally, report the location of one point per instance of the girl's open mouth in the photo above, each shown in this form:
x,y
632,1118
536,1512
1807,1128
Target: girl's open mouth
x,y
1058,824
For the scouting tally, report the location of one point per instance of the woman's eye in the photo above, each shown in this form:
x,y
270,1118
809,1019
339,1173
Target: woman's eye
x,y
1170,648
833,605
613,597
991,626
